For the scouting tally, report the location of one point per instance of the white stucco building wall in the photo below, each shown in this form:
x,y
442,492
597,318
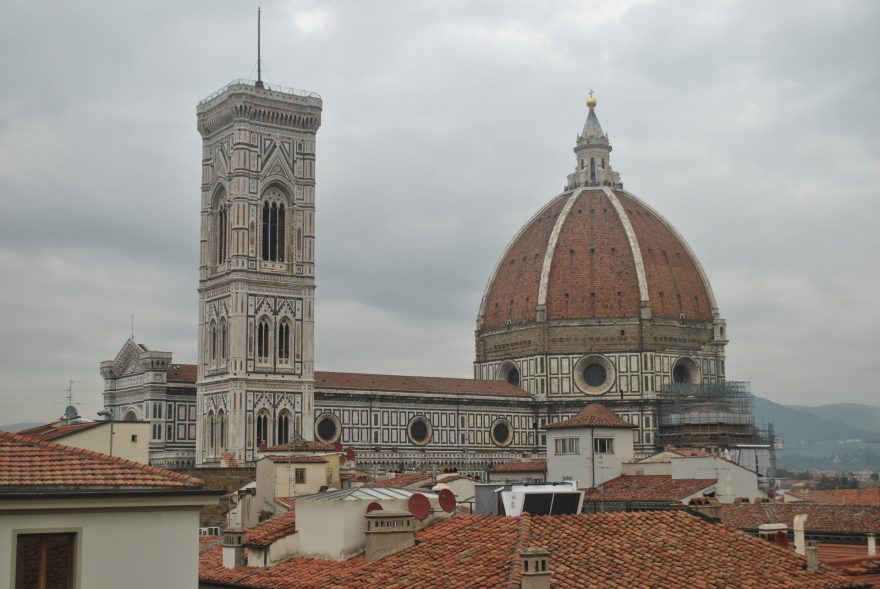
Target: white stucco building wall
x,y
131,440
117,544
733,480
579,460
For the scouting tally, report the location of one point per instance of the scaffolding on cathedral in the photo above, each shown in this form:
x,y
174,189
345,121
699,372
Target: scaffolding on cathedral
x,y
718,416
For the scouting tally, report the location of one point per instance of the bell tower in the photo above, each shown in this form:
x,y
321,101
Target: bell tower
x,y
256,270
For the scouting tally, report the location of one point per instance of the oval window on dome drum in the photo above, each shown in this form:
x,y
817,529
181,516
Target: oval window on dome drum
x,y
419,430
508,371
686,371
594,374
502,433
327,428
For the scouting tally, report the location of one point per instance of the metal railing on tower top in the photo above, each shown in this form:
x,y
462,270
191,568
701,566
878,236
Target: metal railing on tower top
x,y
270,87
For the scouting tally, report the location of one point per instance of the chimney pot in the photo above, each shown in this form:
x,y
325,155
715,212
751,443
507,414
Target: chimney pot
x,y
799,523
812,555
233,548
770,532
388,532
535,568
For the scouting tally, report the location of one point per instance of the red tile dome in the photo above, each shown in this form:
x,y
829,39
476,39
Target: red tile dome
x,y
596,253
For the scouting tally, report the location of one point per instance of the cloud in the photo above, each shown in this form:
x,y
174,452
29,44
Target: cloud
x,y
752,127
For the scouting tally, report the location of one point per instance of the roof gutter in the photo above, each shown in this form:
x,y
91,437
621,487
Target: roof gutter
x,y
88,494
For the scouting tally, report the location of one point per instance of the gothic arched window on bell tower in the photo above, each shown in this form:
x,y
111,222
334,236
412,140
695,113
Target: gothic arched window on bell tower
x,y
263,331
284,341
221,419
592,169
211,433
274,216
220,240
212,330
222,230
223,341
283,427
262,429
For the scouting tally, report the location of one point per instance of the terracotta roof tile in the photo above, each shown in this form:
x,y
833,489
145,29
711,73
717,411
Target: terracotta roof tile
x,y
593,271
593,415
690,452
612,550
302,445
55,430
522,466
846,519
182,373
30,463
840,496
415,384
647,488
298,459
402,480
229,459
272,529
286,502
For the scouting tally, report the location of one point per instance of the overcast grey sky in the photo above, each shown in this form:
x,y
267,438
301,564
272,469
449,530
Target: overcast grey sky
x,y
754,127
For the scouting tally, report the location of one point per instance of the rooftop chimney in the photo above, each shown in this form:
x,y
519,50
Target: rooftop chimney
x,y
706,506
872,545
535,568
800,521
233,550
812,555
776,533
388,532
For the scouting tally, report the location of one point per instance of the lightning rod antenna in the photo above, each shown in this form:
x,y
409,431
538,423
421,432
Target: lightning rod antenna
x,y
259,83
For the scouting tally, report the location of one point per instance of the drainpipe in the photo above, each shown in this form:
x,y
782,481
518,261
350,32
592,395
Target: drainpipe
x,y
108,415
592,458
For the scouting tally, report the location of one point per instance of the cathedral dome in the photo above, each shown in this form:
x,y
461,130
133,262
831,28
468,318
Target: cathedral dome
x,y
596,252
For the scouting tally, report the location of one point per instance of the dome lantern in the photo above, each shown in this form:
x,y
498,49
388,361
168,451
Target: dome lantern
x,y
593,154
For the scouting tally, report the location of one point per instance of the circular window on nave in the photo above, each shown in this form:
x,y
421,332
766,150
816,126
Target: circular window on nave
x,y
502,432
327,428
419,430
594,374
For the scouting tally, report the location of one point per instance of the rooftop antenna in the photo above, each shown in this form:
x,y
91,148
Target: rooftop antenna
x,y
259,83
69,390
70,411
132,326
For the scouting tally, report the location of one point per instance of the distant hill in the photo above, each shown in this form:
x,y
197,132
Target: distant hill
x,y
827,437
17,427
865,417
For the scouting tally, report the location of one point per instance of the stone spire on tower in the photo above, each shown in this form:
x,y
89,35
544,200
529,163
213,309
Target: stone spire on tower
x,y
593,153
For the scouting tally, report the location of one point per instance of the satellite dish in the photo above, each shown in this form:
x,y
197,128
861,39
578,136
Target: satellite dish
x,y
419,506
71,412
374,506
447,500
